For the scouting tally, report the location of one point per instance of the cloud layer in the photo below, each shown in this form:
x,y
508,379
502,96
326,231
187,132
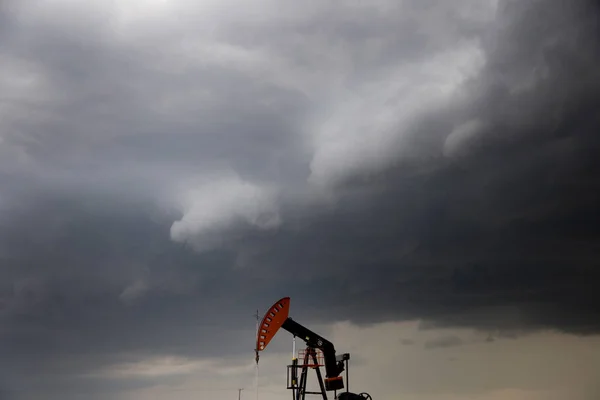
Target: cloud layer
x,y
167,167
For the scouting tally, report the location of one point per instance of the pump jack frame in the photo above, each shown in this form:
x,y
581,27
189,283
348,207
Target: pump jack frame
x,y
310,361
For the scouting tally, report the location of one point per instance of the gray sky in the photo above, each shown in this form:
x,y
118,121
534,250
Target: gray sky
x,y
420,176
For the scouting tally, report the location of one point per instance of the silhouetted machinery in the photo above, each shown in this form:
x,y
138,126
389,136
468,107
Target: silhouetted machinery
x,y
319,352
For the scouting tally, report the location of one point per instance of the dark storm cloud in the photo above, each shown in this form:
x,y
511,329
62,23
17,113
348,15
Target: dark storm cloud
x,y
91,282
487,217
92,266
500,235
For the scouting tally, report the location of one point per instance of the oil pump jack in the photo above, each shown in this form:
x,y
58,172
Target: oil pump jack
x,y
319,352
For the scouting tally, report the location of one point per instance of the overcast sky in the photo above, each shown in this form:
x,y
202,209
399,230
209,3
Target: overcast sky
x,y
420,177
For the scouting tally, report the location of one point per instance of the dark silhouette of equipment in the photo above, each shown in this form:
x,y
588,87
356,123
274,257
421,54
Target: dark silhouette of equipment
x,y
319,352
352,396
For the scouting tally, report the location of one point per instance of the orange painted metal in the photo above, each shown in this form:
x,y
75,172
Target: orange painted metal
x,y
306,360
271,323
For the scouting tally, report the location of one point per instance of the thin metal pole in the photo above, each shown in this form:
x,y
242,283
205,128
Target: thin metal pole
x,y
347,379
240,394
257,330
294,348
256,381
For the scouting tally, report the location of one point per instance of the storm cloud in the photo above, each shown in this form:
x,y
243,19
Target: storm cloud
x,y
168,167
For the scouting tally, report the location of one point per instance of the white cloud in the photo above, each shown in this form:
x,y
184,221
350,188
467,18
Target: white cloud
x,y
462,137
217,204
134,291
365,133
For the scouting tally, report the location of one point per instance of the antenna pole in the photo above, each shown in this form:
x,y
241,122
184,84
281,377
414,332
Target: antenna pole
x,y
257,328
